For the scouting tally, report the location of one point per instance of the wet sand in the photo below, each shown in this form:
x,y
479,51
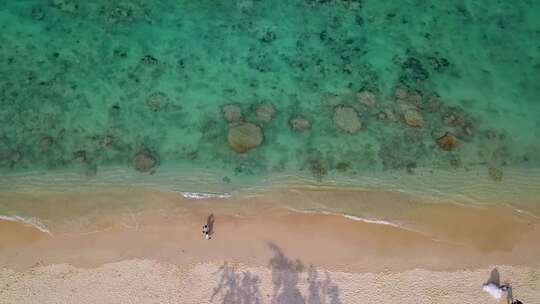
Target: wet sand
x,y
445,242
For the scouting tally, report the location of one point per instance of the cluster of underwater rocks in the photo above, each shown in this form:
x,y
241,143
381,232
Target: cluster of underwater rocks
x,y
407,108
410,109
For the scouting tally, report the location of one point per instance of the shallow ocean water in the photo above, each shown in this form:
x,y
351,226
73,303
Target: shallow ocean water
x,y
88,86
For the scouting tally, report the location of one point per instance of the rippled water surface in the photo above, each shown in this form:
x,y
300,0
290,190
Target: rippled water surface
x,y
250,89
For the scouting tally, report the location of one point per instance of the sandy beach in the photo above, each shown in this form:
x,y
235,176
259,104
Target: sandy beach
x,y
346,151
265,252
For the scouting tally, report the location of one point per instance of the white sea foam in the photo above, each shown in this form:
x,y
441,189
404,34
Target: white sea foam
x,y
203,195
361,219
350,217
30,221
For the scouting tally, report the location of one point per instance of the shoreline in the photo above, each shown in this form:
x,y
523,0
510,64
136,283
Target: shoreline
x,y
470,185
150,242
374,230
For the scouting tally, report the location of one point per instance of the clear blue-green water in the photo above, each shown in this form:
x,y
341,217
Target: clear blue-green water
x,y
88,85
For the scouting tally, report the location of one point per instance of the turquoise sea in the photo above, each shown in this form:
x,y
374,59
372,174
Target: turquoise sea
x,y
220,95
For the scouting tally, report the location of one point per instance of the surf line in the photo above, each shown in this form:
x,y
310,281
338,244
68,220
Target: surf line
x,y
205,195
33,222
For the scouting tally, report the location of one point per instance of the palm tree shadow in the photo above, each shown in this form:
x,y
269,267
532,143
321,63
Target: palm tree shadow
x,y
285,278
321,291
237,287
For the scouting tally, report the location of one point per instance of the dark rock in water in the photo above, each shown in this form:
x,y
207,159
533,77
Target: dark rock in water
x,y
192,155
412,117
244,137
439,64
343,166
150,60
45,143
268,36
232,113
448,141
386,115
495,174
455,162
457,118
80,155
107,141
453,120
410,168
382,115
317,169
15,156
157,101
66,6
413,72
38,13
491,135
366,98
299,124
144,161
408,97
265,111
401,93
346,119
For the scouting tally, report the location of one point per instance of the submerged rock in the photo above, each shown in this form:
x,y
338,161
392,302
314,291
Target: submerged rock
x,y
495,174
386,115
401,93
413,71
265,112
366,98
244,137
317,169
346,119
448,141
144,161
157,101
232,113
66,6
80,155
45,143
412,117
343,167
409,97
299,124
38,13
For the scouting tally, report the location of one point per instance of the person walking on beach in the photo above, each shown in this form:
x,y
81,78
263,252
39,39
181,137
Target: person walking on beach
x,y
208,228
206,231
496,289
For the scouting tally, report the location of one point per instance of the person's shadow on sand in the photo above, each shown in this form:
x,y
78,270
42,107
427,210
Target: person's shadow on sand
x,y
210,224
494,278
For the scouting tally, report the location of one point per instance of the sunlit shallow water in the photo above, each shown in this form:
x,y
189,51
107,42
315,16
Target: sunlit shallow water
x,y
437,98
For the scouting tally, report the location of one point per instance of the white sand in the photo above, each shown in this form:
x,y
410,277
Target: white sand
x,y
146,281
